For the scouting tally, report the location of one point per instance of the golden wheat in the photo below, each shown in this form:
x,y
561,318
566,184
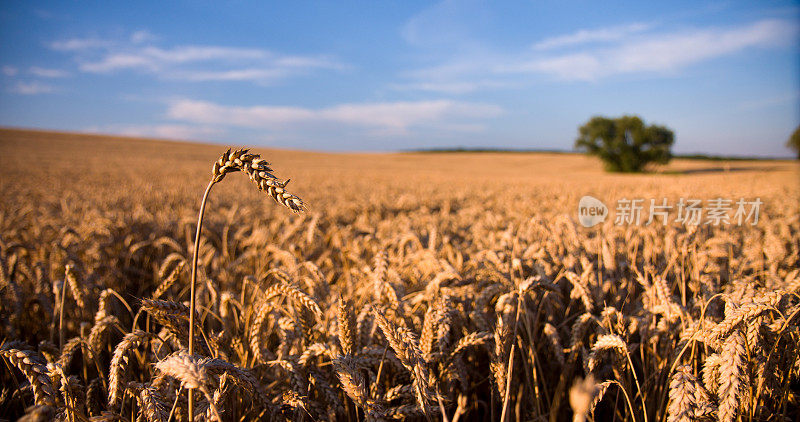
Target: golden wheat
x,y
423,287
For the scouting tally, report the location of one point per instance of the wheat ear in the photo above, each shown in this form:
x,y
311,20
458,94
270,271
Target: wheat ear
x,y
353,384
34,369
192,373
682,395
406,346
744,313
731,377
119,363
347,326
259,172
615,342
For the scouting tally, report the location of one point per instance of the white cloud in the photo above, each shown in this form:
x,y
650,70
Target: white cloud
x,y
141,36
79,44
163,131
579,66
256,116
585,36
116,62
625,49
233,75
190,62
155,59
400,115
446,87
48,73
31,88
9,70
392,116
673,51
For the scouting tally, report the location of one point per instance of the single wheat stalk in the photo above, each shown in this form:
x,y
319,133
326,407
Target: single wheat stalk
x,y
505,314
68,351
74,285
152,405
256,330
579,329
379,274
444,326
580,290
354,386
347,326
502,348
119,364
298,296
600,391
682,406
732,377
711,372
102,305
406,346
554,342
259,172
169,280
192,372
429,323
99,328
616,343
34,368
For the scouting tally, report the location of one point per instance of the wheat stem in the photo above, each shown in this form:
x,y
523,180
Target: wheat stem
x,y
193,282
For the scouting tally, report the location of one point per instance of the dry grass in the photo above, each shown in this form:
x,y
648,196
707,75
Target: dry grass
x,y
419,286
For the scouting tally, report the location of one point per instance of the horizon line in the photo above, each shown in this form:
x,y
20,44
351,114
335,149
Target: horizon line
x,y
433,150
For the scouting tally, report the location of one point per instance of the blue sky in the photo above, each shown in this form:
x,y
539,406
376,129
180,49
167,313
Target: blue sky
x,y
395,75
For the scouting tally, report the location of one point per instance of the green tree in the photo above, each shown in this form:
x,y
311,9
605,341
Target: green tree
x,y
625,144
794,142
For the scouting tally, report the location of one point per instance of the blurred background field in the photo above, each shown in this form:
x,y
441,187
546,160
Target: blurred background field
x,y
454,250
177,171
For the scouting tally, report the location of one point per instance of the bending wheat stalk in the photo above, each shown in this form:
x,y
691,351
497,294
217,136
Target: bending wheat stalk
x,y
259,172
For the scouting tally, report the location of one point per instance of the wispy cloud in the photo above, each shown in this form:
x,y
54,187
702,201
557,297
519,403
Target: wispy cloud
x,y
79,44
142,36
662,53
47,73
162,131
392,116
9,70
31,88
189,62
447,87
155,58
592,54
586,36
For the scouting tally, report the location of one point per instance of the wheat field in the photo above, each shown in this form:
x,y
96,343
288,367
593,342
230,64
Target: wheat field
x,y
414,286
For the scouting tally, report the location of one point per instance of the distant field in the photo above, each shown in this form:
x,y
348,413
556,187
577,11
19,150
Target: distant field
x,y
163,165
468,287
